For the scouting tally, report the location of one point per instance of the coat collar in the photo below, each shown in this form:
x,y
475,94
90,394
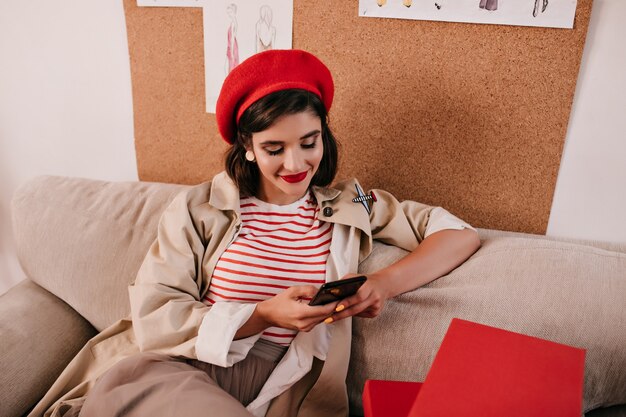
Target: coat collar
x,y
343,209
225,196
224,193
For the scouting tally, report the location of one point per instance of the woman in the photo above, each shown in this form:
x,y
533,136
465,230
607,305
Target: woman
x,y
219,307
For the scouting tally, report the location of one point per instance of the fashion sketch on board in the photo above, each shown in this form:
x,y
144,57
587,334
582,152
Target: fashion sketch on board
x,y
265,31
494,12
232,47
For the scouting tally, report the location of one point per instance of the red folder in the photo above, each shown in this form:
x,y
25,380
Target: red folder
x,y
389,398
489,372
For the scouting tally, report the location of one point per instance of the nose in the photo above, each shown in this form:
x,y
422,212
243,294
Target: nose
x,y
294,161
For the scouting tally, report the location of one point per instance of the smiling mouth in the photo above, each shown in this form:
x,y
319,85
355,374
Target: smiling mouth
x,y
292,179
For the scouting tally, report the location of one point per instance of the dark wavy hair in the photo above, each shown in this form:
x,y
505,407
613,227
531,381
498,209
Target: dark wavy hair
x,y
261,115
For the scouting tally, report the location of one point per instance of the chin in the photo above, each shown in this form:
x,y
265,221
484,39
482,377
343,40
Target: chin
x,y
296,190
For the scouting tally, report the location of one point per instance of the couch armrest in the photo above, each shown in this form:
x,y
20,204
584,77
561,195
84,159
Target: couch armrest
x,y
39,335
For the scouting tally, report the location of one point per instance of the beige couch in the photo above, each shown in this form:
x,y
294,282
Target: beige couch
x,y
81,242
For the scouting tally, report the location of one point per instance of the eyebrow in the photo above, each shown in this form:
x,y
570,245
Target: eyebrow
x,y
279,142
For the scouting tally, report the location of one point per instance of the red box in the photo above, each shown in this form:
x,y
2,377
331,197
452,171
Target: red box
x,y
487,372
389,398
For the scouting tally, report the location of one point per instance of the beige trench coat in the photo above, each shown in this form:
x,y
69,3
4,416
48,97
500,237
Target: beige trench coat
x,y
166,297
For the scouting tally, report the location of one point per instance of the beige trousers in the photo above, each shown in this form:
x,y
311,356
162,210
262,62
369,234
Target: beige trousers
x,y
151,384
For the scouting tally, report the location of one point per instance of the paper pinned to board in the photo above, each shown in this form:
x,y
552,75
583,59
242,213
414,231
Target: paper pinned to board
x,y
542,13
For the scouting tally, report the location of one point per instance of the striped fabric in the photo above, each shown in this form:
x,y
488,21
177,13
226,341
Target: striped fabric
x,y
277,247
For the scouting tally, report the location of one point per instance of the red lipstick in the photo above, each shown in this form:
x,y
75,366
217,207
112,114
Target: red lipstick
x,y
292,179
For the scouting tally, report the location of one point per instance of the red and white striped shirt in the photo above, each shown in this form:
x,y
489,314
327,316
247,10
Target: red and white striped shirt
x,y
277,247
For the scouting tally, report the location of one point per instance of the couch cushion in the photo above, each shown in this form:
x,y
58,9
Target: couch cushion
x,y
84,240
488,234
565,292
36,344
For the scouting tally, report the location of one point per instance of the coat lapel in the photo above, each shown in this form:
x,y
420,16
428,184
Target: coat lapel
x,y
343,210
224,193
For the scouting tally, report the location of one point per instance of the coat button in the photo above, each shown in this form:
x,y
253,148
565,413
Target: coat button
x,y
328,211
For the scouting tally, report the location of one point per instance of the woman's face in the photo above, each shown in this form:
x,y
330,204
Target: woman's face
x,y
288,155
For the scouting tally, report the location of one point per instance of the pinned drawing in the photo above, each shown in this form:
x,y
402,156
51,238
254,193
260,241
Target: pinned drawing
x,y
560,13
232,46
265,31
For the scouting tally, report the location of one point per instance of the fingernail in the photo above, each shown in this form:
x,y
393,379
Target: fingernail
x,y
328,320
340,307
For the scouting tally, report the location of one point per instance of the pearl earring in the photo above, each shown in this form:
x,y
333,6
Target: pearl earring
x,y
250,156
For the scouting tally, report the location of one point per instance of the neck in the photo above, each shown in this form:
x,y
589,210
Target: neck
x,y
279,200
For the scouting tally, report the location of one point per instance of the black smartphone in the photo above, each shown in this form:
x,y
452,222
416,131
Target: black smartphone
x,y
337,290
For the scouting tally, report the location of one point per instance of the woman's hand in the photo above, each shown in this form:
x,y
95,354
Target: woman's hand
x,y
290,309
367,302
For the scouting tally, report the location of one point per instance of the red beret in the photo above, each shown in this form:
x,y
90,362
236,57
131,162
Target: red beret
x,y
265,73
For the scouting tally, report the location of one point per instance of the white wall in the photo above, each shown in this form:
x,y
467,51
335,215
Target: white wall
x,y
590,197
65,99
65,108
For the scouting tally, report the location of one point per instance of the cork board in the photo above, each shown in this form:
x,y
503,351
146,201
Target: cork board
x,y
469,117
